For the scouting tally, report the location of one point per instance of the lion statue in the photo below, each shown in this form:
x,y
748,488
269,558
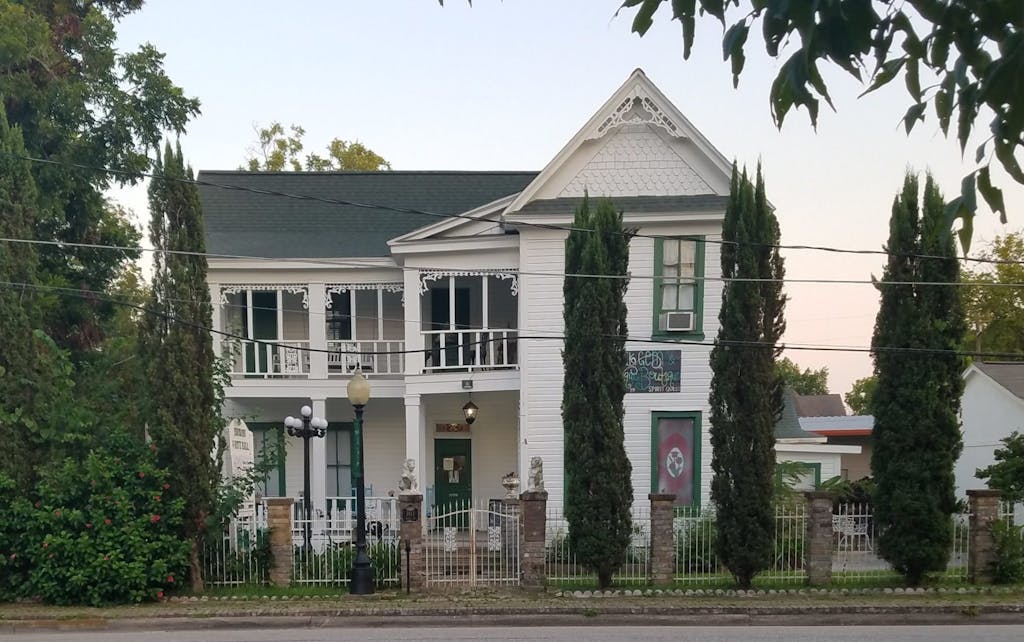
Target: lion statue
x,y
408,481
536,480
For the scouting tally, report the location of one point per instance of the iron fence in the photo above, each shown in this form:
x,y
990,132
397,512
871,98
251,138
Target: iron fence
x,y
562,565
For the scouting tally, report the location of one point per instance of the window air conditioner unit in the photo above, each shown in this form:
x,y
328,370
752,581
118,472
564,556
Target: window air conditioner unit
x,y
677,321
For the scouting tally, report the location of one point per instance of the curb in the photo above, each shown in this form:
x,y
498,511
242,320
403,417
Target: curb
x,y
481,617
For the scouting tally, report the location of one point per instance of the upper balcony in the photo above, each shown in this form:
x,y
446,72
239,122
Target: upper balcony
x,y
353,325
469,320
463,322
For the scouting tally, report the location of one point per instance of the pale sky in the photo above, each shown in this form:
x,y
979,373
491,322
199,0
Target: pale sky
x,y
504,85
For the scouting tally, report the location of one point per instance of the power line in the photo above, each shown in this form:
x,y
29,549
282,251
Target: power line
x,y
81,293
643,277
410,210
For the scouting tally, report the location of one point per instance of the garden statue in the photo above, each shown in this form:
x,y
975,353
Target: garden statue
x,y
536,481
408,482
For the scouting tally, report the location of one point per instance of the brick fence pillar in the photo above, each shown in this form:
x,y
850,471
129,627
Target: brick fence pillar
x,y
279,523
818,542
981,550
533,508
410,511
662,561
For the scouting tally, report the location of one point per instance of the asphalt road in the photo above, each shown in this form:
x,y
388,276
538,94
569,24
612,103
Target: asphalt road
x,y
569,634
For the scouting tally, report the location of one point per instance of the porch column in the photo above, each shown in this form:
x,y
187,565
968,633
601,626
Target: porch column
x,y
522,445
317,331
415,434
215,318
318,462
413,302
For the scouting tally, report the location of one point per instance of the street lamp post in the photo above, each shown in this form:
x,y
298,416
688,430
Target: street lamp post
x,y
307,427
362,569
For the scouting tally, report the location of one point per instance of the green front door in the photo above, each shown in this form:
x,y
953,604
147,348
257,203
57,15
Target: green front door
x,y
453,482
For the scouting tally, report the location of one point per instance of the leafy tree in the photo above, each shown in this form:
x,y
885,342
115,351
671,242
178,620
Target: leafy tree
x,y
746,389
1007,474
861,395
803,382
878,41
917,398
599,490
277,151
995,313
18,310
184,414
77,99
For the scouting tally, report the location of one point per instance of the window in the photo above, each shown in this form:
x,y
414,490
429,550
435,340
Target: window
x,y
268,448
678,286
339,461
675,456
339,317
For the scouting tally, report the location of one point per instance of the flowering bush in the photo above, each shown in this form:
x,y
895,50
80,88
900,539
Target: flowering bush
x,y
98,531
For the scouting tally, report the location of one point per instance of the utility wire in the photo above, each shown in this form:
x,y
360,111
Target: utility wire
x,y
80,293
642,277
410,210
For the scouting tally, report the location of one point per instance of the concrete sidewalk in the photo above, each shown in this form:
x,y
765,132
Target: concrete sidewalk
x,y
518,609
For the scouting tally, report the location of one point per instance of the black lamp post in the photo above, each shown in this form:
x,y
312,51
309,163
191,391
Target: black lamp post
x,y
362,569
307,427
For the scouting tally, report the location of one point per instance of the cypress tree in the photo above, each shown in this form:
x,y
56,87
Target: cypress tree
x,y
746,389
184,415
917,400
599,491
18,309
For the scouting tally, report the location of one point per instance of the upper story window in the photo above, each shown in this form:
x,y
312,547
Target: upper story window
x,y
678,286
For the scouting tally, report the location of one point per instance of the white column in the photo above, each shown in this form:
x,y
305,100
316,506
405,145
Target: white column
x,y
414,435
413,324
318,461
317,330
215,319
522,445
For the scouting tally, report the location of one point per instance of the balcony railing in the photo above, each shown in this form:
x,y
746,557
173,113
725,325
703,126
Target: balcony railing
x,y
378,357
270,358
478,349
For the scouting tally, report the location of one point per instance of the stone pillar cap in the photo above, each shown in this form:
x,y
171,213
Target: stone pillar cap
x,y
818,494
984,492
279,501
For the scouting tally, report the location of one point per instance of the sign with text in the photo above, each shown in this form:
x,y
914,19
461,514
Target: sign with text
x,y
653,370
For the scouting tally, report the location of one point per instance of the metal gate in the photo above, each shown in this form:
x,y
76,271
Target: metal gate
x,y
472,546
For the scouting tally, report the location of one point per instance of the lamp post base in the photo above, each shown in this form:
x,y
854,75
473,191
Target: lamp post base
x,y
361,575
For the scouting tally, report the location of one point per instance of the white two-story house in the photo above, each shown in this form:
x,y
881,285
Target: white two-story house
x,y
452,292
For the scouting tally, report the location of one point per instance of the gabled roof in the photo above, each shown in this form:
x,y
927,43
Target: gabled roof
x,y
820,406
1008,374
634,204
787,428
637,102
245,223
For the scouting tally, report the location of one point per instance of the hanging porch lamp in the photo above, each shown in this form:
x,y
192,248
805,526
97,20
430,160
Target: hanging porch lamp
x,y
469,410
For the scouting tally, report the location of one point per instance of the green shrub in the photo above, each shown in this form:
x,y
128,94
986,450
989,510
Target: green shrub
x,y
1009,562
696,546
98,531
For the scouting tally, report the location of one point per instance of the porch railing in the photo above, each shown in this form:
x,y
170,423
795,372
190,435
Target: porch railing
x,y
476,349
269,358
379,357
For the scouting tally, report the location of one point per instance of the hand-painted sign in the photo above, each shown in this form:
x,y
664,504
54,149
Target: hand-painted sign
x,y
653,370
676,461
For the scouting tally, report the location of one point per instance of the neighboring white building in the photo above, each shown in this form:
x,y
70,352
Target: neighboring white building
x,y
465,302
992,407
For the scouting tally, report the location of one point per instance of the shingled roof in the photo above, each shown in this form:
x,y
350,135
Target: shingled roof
x,y
246,223
820,406
1008,374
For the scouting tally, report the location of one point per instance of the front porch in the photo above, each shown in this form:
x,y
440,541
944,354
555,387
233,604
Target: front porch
x,y
456,462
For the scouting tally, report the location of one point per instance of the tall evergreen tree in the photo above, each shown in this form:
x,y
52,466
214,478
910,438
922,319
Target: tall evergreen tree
x,y
184,417
599,491
917,398
18,309
746,388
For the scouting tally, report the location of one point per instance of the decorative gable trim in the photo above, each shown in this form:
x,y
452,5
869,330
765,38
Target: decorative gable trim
x,y
292,288
637,102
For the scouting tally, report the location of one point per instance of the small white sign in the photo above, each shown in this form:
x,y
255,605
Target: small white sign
x,y
448,463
